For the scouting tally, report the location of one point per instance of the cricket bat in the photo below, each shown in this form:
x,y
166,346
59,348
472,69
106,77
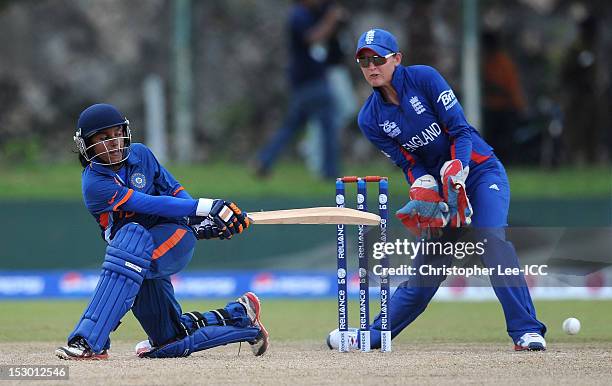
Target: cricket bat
x,y
320,215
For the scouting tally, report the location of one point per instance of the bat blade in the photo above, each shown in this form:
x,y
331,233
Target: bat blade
x,y
320,215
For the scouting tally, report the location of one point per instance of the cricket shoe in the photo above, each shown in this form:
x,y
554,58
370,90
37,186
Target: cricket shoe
x,y
252,305
530,341
79,350
333,339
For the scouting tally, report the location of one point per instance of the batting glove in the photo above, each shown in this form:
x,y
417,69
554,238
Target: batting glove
x,y
243,220
426,213
204,228
453,176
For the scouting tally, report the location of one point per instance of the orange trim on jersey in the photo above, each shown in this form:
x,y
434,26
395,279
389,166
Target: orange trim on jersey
x,y
168,244
104,220
178,190
453,150
479,158
124,199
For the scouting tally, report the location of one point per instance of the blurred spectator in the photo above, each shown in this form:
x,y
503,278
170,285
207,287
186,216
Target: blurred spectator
x,y
583,128
311,24
503,98
339,79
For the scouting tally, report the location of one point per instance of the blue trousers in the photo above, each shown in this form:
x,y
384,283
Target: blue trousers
x,y
156,307
311,100
489,193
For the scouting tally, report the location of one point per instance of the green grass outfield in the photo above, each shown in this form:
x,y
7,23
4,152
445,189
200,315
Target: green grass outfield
x,y
292,179
308,320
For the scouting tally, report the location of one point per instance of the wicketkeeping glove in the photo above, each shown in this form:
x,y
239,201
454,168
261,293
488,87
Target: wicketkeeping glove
x,y
453,176
426,213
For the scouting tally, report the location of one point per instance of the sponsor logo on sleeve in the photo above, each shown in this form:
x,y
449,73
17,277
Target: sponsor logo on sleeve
x,y
448,99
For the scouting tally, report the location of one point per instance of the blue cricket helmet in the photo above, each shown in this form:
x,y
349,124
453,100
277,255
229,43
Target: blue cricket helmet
x,y
99,117
96,118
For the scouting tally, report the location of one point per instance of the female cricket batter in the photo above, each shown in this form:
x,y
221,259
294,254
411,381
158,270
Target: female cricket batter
x,y
144,214
414,118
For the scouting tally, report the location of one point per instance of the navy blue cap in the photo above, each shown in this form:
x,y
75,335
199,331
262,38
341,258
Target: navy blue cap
x,y
378,40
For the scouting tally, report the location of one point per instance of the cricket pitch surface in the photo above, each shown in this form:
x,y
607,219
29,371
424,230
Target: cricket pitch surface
x,y
313,363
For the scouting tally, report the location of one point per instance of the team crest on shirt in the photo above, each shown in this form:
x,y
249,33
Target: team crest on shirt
x,y
417,105
138,180
390,128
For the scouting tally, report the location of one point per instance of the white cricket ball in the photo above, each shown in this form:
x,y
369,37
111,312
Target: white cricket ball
x,y
571,326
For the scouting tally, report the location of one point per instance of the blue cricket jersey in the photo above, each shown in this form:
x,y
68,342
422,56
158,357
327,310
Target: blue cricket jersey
x,y
427,129
142,191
